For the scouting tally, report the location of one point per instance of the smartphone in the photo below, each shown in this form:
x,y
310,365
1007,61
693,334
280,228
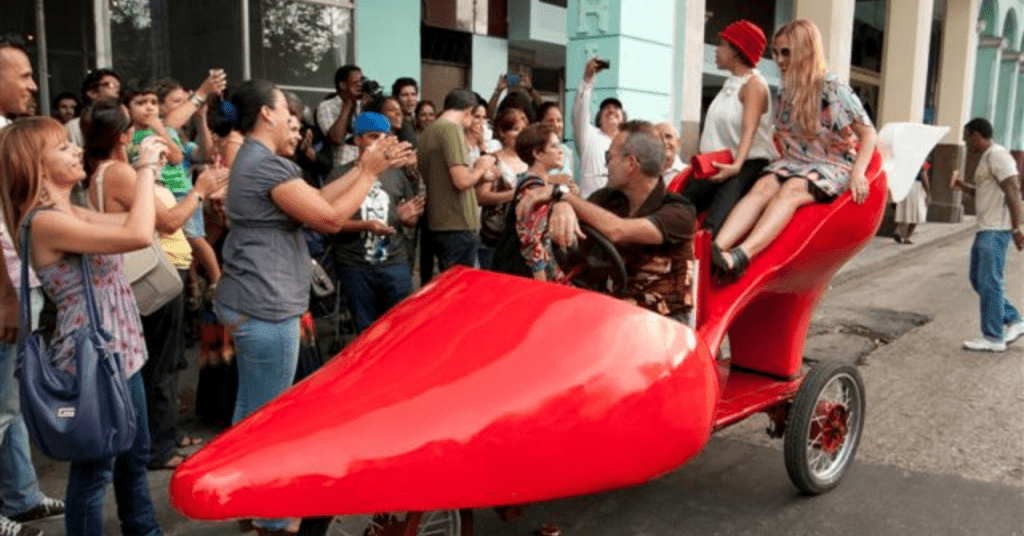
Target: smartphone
x,y
603,64
512,79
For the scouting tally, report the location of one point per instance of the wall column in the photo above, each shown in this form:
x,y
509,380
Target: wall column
x,y
835,21
633,35
905,61
1006,98
687,74
956,79
986,76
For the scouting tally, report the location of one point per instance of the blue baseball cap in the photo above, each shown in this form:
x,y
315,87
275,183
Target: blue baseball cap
x,y
371,122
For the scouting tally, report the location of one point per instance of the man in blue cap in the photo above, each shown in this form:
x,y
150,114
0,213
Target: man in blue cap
x,y
371,250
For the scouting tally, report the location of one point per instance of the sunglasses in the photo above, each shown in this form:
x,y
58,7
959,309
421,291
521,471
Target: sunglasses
x,y
781,52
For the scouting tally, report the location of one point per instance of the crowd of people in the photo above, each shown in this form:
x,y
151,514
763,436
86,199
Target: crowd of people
x,y
239,182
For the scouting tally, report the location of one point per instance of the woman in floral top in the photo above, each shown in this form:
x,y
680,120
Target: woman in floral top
x,y
540,148
826,140
40,167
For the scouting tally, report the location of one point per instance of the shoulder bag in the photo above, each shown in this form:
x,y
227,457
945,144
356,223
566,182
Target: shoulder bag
x,y
84,416
154,280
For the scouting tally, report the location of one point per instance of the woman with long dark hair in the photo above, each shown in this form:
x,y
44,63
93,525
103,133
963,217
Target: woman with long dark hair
x,y
107,132
265,287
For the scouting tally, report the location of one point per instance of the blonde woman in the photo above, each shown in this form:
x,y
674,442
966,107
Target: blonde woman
x,y
819,125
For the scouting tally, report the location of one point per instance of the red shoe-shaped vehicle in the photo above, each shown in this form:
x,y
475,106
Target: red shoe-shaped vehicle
x,y
483,389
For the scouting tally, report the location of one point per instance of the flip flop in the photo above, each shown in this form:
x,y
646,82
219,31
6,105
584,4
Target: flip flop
x,y
172,463
186,442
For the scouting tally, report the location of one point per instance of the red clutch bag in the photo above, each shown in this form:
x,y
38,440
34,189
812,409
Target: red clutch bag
x,y
703,164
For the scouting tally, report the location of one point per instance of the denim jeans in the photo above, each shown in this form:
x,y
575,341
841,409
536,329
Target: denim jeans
x,y
988,259
455,247
19,488
87,484
267,354
370,290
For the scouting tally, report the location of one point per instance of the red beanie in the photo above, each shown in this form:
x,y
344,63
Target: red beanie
x,y
748,38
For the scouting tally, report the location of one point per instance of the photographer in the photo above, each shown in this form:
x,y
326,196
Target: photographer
x,y
335,115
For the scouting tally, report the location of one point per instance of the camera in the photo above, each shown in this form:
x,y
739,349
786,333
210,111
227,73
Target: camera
x,y
603,64
371,88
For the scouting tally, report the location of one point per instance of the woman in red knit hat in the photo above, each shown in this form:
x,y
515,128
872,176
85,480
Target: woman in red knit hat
x,y
739,119
826,139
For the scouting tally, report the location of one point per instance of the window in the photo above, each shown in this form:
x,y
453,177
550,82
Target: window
x,y
299,44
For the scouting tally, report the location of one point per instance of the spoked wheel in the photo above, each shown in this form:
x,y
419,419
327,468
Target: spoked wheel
x,y
436,523
824,427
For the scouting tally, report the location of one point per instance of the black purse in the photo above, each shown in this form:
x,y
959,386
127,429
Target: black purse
x,y
84,416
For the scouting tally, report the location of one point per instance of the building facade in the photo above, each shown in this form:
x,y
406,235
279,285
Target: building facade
x,y
937,61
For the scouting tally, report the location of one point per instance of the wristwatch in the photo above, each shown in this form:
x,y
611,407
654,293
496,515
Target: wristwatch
x,y
558,192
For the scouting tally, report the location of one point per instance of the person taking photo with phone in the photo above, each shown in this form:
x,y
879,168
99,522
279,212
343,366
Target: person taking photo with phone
x,y
594,139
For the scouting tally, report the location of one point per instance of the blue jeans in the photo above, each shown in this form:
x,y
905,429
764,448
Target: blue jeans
x,y
988,259
267,354
455,247
19,488
87,483
370,290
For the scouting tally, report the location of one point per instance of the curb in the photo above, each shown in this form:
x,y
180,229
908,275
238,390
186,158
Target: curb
x,y
909,253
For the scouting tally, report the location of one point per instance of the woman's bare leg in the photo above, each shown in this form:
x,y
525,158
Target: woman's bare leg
x,y
791,196
746,213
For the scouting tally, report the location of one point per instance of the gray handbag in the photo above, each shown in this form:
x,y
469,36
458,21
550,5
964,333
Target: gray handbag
x,y
154,280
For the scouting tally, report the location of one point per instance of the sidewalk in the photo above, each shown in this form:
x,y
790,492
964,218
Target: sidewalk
x,y
880,252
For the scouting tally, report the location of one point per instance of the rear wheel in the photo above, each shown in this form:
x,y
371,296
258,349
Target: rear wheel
x,y
436,523
824,427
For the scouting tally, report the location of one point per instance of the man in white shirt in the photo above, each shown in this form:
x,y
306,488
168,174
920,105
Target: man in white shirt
x,y
19,487
335,115
670,137
593,139
997,200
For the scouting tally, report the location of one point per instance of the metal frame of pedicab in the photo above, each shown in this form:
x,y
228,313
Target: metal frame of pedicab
x,y
668,402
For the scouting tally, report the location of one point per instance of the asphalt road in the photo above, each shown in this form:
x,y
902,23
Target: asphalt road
x,y
942,452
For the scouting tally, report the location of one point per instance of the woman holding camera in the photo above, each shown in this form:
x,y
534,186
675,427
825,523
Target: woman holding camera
x,y
40,167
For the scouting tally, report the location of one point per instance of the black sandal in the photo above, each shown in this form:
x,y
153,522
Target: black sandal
x,y
718,263
740,262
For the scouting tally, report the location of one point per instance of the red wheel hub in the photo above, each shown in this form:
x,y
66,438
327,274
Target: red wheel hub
x,y
829,427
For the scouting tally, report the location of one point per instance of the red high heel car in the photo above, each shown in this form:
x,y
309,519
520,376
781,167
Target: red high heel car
x,y
483,389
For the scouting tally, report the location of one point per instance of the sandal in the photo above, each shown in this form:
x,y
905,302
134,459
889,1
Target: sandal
x,y
740,262
171,463
186,442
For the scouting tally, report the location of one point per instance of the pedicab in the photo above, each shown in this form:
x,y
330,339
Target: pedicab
x,y
484,389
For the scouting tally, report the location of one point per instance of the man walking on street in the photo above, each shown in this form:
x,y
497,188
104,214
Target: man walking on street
x,y
19,487
997,199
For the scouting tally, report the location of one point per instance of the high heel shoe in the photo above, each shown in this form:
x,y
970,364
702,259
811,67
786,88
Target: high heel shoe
x,y
484,389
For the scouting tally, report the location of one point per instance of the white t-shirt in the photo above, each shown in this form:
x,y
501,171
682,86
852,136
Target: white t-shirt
x,y
591,143
995,166
723,124
327,113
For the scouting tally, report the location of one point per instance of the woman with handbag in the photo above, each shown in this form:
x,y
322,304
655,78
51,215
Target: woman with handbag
x,y
494,196
40,168
826,139
267,268
106,128
738,120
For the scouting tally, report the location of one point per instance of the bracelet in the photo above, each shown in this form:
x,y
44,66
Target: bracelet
x,y
196,100
199,197
151,165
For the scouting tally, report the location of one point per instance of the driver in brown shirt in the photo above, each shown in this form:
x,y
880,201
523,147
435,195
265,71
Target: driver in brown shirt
x,y
651,228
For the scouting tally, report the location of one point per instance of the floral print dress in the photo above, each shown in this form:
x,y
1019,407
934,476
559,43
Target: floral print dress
x,y
827,158
119,314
